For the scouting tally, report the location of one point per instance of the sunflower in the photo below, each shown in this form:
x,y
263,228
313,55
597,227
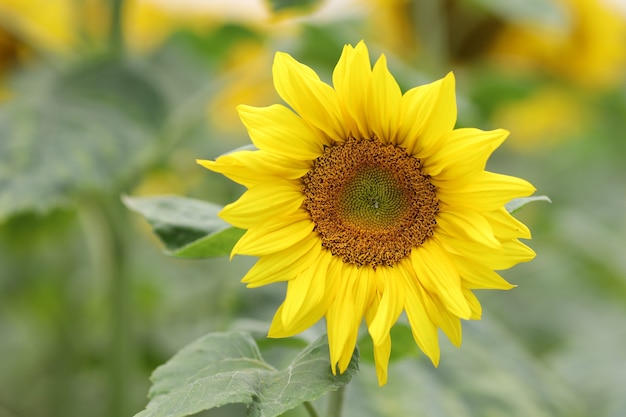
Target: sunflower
x,y
368,203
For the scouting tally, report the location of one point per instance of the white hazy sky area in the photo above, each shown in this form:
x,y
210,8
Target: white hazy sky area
x,y
258,10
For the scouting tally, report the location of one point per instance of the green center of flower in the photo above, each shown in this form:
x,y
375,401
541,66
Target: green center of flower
x,y
372,198
371,203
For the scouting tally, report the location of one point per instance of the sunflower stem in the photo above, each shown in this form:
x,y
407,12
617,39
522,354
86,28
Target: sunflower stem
x,y
430,23
310,409
335,402
116,35
102,222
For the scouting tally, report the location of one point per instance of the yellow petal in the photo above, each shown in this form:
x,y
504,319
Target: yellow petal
x,y
423,329
384,102
249,168
486,192
466,224
306,318
315,101
284,265
382,350
444,319
278,130
439,276
390,306
342,323
474,304
275,235
278,329
505,226
511,253
263,202
351,79
464,154
365,280
514,252
305,292
478,276
428,113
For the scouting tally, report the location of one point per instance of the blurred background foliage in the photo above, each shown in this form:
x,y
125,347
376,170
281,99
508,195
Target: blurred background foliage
x,y
104,98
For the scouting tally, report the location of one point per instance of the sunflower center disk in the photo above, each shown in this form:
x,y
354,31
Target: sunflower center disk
x,y
370,202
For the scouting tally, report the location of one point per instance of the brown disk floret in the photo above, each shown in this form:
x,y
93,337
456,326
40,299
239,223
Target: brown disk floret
x,y
371,202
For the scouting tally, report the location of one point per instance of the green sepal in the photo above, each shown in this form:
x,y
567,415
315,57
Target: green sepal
x,y
516,204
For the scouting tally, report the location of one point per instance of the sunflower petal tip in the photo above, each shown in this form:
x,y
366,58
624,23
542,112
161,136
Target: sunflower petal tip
x,y
282,58
382,379
242,108
206,163
234,251
333,368
435,360
360,47
450,77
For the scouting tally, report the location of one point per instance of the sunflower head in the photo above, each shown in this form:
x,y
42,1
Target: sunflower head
x,y
368,203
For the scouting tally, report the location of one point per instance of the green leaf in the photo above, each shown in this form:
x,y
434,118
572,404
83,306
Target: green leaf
x,y
514,205
189,228
90,129
227,368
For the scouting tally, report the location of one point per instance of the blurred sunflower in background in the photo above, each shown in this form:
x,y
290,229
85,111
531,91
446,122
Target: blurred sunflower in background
x,y
586,50
544,119
546,67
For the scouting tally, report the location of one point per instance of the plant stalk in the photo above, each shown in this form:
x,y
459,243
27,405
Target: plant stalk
x,y
310,409
432,32
335,402
116,29
101,221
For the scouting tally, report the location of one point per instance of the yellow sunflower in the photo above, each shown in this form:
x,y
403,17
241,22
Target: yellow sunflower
x,y
369,203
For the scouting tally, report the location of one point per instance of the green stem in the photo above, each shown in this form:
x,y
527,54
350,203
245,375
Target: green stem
x,y
116,34
430,23
335,402
101,221
310,409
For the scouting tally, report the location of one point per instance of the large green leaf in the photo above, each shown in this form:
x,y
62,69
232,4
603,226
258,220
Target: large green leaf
x,y
88,129
189,228
227,368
